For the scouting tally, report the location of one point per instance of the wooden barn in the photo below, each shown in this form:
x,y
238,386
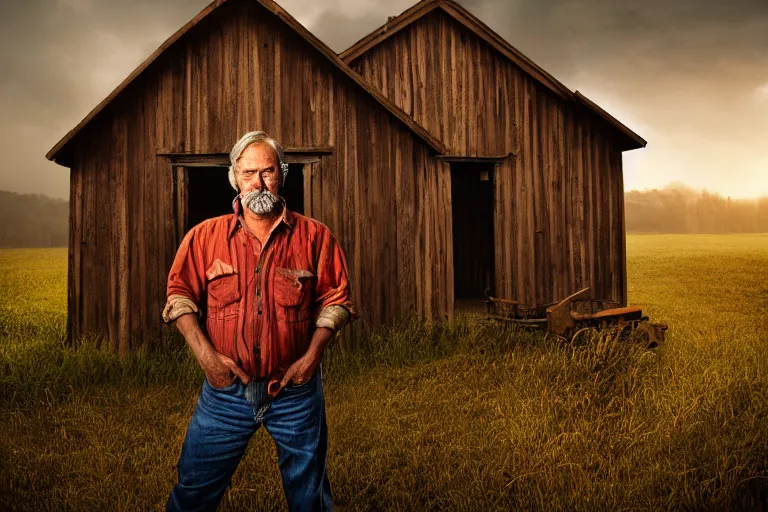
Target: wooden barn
x,y
536,170
404,182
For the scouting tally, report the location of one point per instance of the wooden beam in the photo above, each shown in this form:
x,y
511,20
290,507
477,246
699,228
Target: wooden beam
x,y
308,150
293,155
198,160
474,159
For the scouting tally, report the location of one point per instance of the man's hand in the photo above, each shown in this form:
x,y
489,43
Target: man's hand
x,y
220,370
301,370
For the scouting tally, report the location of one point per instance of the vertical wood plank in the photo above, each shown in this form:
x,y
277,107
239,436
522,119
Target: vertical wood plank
x,y
623,238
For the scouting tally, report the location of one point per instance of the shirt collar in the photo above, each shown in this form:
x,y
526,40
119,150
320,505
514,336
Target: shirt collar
x,y
287,217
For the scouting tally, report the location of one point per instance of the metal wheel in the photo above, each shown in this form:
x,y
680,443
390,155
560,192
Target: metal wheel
x,y
583,335
625,332
645,338
550,336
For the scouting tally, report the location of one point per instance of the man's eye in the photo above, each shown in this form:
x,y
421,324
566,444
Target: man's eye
x,y
249,174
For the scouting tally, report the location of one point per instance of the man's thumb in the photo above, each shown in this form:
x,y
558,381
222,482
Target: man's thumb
x,y
287,377
237,371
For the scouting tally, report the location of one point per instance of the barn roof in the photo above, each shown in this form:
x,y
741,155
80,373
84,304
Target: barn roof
x,y
289,20
468,20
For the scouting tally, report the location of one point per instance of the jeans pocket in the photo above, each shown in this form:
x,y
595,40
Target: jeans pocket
x,y
298,388
229,387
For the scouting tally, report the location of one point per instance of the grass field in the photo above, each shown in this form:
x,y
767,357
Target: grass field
x,y
465,418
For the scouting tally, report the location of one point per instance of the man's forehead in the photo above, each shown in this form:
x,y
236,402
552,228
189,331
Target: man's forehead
x,y
258,152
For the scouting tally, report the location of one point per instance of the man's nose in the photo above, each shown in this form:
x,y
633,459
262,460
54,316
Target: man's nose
x,y
260,181
256,184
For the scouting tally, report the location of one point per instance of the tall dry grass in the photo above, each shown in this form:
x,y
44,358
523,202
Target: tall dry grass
x,y
462,417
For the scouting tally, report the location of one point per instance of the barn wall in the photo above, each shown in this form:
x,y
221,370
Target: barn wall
x,y
242,69
559,196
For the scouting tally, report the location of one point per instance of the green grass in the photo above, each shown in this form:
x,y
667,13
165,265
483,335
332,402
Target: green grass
x,y
425,418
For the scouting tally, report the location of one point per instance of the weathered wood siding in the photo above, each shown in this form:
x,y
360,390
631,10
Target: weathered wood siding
x,y
559,198
381,191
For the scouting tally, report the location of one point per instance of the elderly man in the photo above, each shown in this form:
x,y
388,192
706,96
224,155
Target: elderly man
x,y
272,287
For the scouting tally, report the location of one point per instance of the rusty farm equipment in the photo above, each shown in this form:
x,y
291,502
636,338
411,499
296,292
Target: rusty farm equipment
x,y
575,317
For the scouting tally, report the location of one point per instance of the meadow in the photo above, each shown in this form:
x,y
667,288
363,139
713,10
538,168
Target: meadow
x,y
462,417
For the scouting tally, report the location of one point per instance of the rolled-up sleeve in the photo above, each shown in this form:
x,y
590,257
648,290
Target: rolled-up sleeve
x,y
332,287
186,280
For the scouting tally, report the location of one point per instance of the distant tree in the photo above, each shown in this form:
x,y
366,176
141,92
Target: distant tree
x,y
33,220
762,215
680,209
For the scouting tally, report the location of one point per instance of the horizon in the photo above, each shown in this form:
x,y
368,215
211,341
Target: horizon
x,y
690,79
671,186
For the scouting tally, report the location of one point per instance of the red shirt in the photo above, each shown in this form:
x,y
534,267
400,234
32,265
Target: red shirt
x,y
261,303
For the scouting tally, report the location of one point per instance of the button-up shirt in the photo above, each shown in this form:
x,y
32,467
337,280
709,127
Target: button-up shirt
x,y
260,301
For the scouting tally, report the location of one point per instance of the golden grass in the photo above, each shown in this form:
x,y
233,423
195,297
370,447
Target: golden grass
x,y
463,418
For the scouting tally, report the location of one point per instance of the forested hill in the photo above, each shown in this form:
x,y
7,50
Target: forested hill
x,y
32,220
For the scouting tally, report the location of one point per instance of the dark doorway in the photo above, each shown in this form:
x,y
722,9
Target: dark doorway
x,y
209,194
473,241
293,190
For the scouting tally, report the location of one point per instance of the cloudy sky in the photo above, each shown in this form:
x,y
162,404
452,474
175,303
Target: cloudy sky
x,y
690,76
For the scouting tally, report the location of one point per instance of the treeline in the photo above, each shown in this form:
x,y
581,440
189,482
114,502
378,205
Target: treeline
x,y
680,209
33,220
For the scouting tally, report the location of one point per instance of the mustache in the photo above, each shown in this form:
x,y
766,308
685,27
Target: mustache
x,y
259,201
258,193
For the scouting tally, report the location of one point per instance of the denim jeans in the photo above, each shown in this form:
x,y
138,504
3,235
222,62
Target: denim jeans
x,y
223,423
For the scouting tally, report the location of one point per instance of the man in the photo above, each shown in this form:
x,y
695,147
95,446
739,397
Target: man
x,y
272,286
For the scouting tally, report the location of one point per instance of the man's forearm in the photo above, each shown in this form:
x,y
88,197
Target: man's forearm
x,y
320,339
330,321
193,334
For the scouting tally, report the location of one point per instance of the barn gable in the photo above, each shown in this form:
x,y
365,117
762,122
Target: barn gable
x,y
137,161
59,152
425,8
557,180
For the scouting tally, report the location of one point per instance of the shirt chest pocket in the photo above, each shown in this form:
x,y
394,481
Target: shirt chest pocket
x,y
293,290
223,289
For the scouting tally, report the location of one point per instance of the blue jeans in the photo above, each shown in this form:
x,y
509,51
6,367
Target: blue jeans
x,y
223,423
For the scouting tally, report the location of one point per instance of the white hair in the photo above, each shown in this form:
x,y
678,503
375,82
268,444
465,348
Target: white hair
x,y
255,138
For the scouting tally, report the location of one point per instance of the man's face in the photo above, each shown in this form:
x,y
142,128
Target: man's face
x,y
258,177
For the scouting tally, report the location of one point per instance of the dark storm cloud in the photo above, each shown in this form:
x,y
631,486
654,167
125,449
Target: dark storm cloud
x,y
679,35
59,60
54,51
681,73
339,30
690,76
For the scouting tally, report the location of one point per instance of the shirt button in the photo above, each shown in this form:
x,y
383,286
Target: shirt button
x,y
259,311
258,292
258,269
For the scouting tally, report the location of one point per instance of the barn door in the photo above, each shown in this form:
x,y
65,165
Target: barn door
x,y
209,194
473,195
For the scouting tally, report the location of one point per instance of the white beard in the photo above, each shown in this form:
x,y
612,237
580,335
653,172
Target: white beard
x,y
260,202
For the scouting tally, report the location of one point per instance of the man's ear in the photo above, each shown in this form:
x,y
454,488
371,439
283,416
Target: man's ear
x,y
233,179
283,171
